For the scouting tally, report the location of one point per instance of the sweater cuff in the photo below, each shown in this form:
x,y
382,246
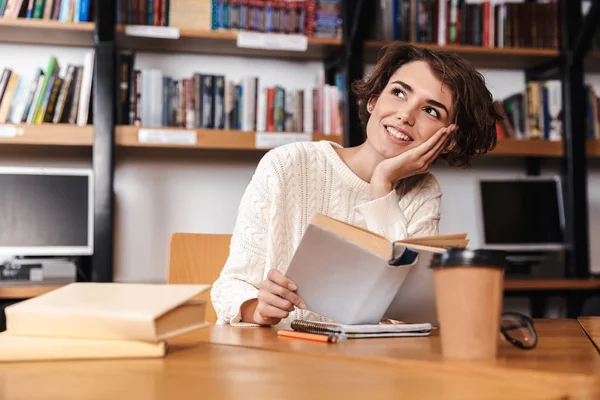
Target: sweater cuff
x,y
237,319
249,292
382,212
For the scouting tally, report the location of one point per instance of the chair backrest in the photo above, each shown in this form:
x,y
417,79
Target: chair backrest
x,y
198,258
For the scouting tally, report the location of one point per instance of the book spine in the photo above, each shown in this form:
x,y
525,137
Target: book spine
x,y
8,97
219,102
207,100
29,99
38,9
4,81
62,97
84,11
56,9
53,99
197,100
48,9
72,119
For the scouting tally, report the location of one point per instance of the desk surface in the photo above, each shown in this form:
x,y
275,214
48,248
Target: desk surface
x,y
232,363
208,371
591,326
562,347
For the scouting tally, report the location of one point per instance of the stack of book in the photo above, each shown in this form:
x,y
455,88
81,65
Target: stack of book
x,y
101,320
54,95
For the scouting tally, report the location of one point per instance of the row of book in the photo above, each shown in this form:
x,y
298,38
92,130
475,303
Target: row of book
x,y
148,98
461,22
145,12
52,96
57,10
316,18
537,112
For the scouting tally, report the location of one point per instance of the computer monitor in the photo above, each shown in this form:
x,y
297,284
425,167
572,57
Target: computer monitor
x,y
46,212
522,214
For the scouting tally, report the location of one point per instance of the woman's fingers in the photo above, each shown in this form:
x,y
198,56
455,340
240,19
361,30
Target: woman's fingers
x,y
434,140
278,284
267,311
280,279
275,301
439,146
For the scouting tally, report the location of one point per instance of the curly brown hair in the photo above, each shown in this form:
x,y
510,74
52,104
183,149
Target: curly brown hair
x,y
474,111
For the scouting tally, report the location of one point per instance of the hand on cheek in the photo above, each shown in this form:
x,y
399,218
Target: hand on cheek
x,y
412,162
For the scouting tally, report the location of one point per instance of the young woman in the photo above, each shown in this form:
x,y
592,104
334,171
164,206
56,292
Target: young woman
x,y
418,105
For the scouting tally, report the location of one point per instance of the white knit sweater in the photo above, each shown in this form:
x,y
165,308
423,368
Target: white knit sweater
x,y
290,185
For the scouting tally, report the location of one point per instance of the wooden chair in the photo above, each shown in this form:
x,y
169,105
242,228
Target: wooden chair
x,y
198,258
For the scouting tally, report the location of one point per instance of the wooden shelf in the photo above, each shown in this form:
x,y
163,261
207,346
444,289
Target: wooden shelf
x,y
539,148
532,148
25,291
49,135
481,57
551,284
127,136
36,31
224,43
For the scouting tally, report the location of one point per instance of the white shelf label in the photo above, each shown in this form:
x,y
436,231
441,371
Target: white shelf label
x,y
8,131
269,140
167,136
161,32
272,41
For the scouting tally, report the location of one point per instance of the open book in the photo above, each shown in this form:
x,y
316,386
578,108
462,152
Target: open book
x,y
354,276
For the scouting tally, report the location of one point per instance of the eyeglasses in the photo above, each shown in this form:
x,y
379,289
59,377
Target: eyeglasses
x,y
518,329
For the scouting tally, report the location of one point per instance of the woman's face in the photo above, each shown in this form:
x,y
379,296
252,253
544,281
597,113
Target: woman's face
x,y
412,107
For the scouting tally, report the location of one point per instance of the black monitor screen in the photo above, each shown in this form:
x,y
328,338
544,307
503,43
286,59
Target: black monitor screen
x,y
521,212
43,210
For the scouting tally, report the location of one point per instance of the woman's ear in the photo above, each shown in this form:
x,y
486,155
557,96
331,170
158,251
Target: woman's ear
x,y
371,104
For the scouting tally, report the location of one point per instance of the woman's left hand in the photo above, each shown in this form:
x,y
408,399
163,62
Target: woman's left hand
x,y
412,162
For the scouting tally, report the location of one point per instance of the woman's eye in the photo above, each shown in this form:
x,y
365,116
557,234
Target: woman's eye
x,y
399,93
432,111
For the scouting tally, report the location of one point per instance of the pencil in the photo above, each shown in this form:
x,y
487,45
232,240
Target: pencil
x,y
308,336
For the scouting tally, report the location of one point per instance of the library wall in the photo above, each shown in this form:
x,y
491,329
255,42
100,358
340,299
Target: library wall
x,y
159,192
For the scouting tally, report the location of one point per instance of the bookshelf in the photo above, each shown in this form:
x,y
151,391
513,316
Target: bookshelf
x,y
222,43
481,57
25,291
40,32
217,139
43,32
50,134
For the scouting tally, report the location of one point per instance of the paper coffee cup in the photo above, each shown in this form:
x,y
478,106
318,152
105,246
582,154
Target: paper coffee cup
x,y
469,289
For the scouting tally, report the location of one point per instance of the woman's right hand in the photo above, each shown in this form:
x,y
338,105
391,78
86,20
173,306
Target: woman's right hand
x,y
276,299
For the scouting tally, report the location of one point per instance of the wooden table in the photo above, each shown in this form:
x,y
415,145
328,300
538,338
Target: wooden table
x,y
591,327
233,363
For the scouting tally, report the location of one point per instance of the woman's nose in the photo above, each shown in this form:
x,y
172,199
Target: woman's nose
x,y
406,114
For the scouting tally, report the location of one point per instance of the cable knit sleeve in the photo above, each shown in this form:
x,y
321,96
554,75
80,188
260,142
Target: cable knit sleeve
x,y
411,210
244,269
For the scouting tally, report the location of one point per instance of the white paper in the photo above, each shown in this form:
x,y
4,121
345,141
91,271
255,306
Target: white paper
x,y
167,136
269,140
162,32
8,131
272,41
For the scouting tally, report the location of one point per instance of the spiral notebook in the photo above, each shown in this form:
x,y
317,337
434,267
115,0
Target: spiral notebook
x,y
343,331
